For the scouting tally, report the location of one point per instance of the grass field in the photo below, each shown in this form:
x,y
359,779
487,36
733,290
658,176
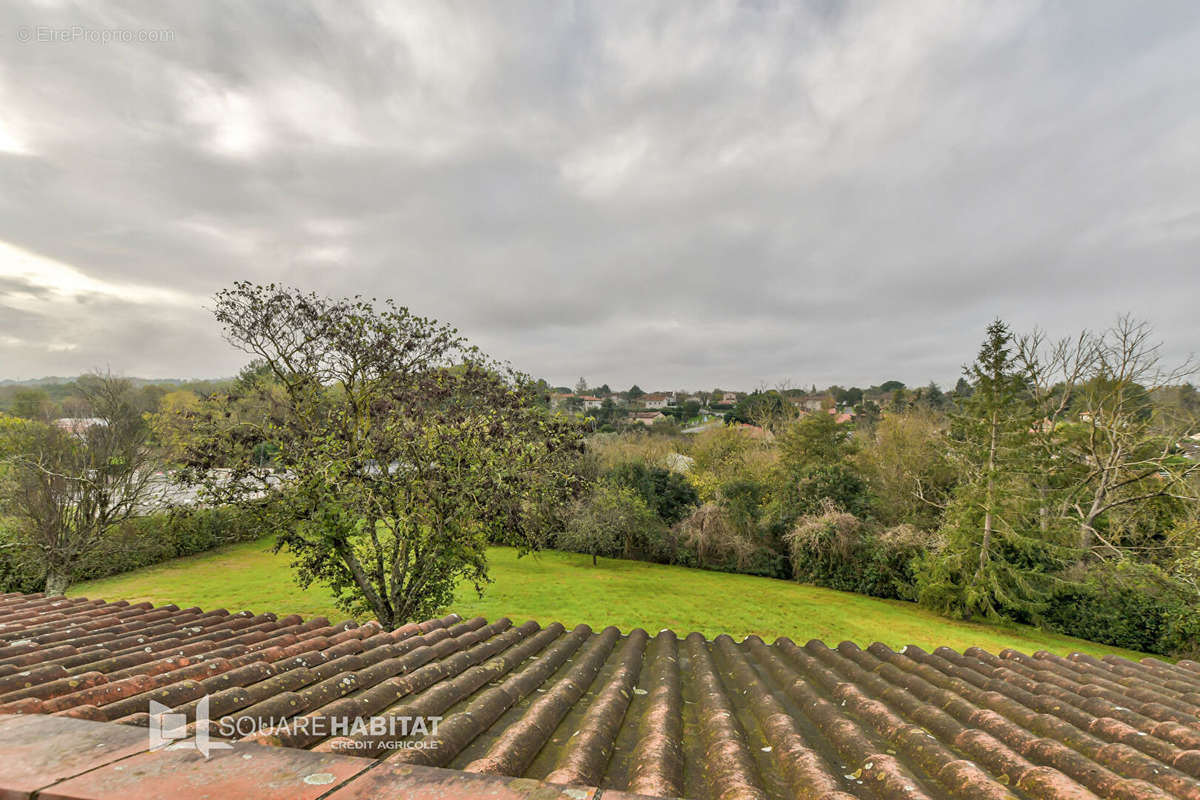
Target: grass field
x,y
565,587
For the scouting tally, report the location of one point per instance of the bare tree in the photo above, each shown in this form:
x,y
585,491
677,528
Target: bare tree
x,y
1054,371
1117,447
68,485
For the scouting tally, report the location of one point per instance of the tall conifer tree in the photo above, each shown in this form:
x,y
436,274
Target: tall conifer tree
x,y
995,561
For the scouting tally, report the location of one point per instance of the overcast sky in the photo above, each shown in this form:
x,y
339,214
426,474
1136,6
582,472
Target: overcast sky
x,y
678,194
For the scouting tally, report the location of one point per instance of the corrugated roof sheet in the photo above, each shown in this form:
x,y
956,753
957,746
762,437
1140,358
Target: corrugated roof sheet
x,y
661,716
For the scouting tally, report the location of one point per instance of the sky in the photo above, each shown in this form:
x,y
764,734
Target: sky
x,y
681,195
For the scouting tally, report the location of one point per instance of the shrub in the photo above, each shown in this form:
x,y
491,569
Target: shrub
x,y
896,553
838,550
1128,604
814,440
713,538
831,483
668,493
136,543
19,571
725,454
615,521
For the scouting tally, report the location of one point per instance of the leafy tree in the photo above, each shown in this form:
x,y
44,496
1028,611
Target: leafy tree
x,y
66,488
668,493
838,483
723,454
767,410
404,450
613,521
691,408
607,415
635,393
171,424
933,397
581,386
32,403
995,561
905,462
891,386
814,470
1188,399
75,406
867,414
812,440
743,499
848,397
540,391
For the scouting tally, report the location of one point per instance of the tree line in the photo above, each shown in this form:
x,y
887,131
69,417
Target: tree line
x,y
1056,484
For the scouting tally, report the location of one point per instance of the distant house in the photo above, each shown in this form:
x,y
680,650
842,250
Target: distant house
x,y
586,401
729,398
659,399
646,417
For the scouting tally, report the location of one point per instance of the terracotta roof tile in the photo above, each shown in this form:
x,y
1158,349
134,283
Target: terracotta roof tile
x,y
613,713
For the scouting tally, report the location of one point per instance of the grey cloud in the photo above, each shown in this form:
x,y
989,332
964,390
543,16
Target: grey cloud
x,y
671,195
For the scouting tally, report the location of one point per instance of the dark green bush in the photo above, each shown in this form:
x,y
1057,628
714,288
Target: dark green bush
x,y
137,543
18,569
616,522
1127,604
668,493
836,483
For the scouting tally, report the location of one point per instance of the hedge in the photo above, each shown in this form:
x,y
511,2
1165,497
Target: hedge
x,y
137,543
1131,605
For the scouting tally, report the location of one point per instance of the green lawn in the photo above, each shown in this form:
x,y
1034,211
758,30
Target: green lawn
x,y
565,587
